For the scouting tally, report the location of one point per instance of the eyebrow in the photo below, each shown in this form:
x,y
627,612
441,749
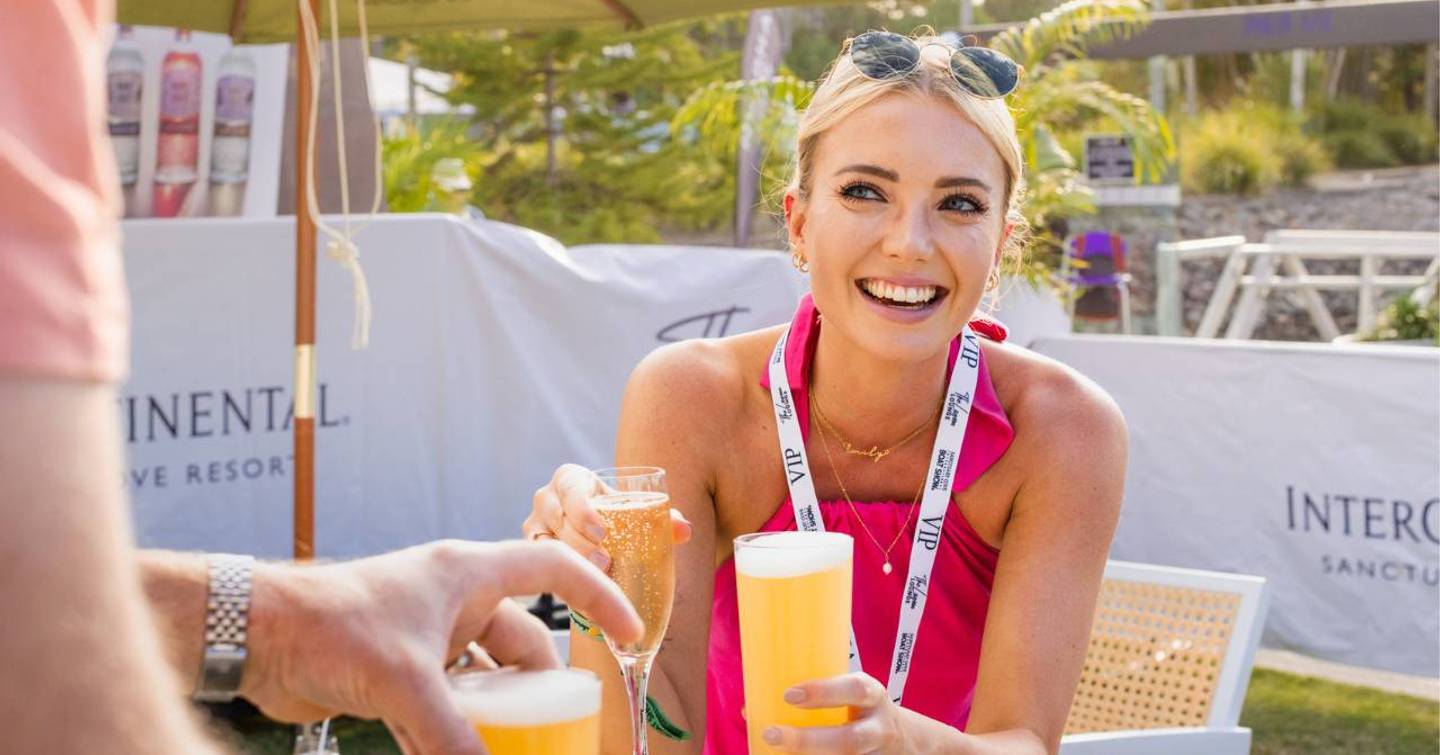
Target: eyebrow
x,y
890,175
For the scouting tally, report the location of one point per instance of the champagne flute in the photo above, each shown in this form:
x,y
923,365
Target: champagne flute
x,y
635,506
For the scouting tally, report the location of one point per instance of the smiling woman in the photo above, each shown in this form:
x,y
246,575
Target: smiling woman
x,y
980,538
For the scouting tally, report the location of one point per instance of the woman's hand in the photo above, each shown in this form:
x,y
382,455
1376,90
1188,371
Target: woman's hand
x,y
876,724
561,511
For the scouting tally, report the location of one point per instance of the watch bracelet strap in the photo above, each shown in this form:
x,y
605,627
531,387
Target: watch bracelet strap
x,y
227,627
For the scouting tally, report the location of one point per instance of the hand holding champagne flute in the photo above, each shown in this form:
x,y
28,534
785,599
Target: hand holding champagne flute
x,y
635,507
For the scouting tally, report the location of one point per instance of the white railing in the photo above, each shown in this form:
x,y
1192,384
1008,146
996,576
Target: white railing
x,y
1254,270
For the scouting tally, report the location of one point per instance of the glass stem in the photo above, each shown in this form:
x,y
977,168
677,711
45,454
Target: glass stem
x,y
636,671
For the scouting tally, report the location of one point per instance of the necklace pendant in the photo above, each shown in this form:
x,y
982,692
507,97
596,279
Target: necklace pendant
x,y
886,568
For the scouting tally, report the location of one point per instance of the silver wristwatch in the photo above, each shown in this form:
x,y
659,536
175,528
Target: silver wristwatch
x,y
227,626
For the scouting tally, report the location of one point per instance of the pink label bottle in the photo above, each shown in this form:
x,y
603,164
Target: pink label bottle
x,y
177,151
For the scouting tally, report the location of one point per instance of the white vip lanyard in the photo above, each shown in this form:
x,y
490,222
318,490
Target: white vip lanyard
x,y
940,477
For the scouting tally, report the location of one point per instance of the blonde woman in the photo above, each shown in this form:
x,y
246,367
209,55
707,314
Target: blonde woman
x,y
904,206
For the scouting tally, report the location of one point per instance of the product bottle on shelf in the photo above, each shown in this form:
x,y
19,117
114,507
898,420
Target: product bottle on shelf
x,y
125,77
230,147
177,150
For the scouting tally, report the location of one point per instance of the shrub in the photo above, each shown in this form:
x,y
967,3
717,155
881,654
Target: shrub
x,y
1407,320
1410,138
1218,155
1359,149
1344,115
1300,158
1360,135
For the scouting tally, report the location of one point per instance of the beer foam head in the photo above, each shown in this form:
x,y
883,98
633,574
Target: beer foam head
x,y
790,554
527,698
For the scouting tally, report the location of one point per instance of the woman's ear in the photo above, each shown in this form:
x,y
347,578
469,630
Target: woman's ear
x,y
794,219
1004,239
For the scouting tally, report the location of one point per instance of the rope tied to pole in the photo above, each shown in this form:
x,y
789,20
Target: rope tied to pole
x,y
345,252
340,245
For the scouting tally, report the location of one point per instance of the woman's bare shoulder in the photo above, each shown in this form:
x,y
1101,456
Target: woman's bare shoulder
x,y
1039,393
709,380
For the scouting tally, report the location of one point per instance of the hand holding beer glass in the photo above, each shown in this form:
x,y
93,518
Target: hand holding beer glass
x,y
635,506
794,594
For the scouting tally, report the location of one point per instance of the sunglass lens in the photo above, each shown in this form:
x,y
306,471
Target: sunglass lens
x,y
985,72
884,55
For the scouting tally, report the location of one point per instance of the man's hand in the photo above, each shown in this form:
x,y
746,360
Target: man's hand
x,y
371,638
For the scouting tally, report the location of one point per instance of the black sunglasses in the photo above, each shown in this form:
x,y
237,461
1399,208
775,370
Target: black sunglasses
x,y
983,72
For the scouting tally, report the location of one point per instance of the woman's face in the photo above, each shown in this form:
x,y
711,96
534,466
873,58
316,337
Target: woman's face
x,y
904,218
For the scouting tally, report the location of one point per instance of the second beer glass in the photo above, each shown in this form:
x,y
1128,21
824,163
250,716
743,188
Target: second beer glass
x,y
532,712
635,505
794,595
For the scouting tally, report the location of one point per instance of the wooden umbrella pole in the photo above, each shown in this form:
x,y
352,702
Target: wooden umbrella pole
x,y
304,427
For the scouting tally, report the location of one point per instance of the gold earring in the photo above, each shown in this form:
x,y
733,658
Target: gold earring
x,y
798,260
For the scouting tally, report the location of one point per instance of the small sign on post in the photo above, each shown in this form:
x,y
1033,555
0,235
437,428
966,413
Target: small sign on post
x,y
1109,159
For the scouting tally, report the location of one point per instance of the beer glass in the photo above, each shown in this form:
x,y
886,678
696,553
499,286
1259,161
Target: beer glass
x,y
635,506
794,594
530,712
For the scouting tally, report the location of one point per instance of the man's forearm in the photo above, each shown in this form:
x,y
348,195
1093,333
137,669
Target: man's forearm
x,y
81,665
175,587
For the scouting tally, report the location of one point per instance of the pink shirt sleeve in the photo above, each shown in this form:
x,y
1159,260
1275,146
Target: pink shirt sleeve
x,y
63,307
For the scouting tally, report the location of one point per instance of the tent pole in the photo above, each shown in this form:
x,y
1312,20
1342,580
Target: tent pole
x,y
304,393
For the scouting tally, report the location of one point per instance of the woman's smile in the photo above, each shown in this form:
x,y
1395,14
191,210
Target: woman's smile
x,y
904,299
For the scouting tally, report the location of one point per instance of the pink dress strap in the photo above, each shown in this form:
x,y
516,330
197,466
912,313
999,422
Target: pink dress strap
x,y
947,653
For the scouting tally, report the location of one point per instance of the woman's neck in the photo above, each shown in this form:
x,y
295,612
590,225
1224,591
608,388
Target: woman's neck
x,y
871,400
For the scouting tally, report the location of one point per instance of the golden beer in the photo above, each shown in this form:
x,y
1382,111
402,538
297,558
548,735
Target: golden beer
x,y
794,595
523,712
640,541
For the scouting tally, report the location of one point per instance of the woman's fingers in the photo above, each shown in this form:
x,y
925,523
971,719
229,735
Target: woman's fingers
x,y
863,736
574,485
858,690
682,527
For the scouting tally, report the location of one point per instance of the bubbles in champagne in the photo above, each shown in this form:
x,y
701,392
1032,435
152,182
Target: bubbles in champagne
x,y
639,540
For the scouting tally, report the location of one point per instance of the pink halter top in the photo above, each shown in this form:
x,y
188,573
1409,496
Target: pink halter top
x,y
947,653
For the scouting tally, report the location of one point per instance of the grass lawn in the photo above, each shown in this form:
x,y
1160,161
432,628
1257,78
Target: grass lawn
x,y
1291,715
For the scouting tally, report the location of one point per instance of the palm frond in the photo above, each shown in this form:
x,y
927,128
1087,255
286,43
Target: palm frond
x,y
1149,131
713,113
1069,29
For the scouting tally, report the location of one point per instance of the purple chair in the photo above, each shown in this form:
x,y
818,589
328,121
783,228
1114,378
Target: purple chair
x,y
1094,264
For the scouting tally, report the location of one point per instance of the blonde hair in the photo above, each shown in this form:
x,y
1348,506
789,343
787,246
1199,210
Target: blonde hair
x,y
844,89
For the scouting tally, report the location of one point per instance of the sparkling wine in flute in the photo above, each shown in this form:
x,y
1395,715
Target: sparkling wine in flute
x,y
642,562
525,712
794,595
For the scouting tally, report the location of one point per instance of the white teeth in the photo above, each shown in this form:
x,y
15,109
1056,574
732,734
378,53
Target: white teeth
x,y
899,294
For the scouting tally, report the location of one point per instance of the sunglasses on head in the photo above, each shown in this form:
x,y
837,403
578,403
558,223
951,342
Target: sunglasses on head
x,y
983,72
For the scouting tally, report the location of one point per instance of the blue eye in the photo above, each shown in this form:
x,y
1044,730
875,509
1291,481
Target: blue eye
x,y
859,190
962,203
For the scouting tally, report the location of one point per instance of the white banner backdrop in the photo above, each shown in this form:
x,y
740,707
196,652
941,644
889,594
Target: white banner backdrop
x,y
1315,466
495,355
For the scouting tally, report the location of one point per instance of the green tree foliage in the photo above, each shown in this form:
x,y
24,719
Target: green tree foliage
x,y
603,166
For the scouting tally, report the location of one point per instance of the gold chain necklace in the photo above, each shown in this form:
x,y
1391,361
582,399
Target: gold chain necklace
x,y
886,568
873,452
